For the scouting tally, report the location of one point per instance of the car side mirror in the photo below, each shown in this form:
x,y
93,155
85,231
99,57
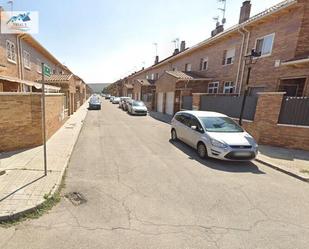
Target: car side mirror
x,y
194,127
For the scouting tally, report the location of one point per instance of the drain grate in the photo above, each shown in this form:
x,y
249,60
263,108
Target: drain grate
x,y
76,198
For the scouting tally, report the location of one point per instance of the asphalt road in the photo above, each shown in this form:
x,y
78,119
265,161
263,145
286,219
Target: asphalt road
x,y
144,192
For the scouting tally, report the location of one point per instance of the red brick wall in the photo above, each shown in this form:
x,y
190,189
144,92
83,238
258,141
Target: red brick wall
x,y
266,129
302,43
21,123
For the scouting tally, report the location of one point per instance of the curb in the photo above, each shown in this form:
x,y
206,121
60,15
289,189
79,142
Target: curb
x,y
53,191
301,178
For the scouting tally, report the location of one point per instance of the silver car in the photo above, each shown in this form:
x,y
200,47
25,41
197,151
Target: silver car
x,y
137,108
116,100
122,101
213,135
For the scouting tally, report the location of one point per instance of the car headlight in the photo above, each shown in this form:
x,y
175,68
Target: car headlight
x,y
218,144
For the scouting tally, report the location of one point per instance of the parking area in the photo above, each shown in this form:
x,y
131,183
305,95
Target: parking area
x,y
144,191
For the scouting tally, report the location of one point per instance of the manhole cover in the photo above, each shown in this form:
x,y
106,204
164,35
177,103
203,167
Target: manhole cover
x,y
76,198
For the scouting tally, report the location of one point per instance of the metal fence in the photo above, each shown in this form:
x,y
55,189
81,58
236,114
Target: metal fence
x,y
186,103
294,111
230,105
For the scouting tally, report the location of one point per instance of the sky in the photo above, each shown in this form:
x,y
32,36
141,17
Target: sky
x,y
102,41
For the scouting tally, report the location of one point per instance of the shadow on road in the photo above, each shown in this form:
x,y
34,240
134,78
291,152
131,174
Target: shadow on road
x,y
161,117
227,166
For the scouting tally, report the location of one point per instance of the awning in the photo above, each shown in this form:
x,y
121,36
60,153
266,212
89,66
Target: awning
x,y
29,83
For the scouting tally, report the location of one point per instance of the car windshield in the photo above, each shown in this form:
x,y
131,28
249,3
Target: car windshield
x,y
138,103
220,124
95,100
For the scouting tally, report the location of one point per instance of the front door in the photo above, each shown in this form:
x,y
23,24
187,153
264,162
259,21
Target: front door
x,y
160,102
170,96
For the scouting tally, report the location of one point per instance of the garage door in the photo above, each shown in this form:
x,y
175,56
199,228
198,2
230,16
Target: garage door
x,y
170,103
160,102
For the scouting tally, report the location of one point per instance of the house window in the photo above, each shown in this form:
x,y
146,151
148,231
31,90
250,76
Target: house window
x,y
188,67
27,63
147,77
228,87
204,64
39,66
228,56
152,76
174,68
264,45
10,51
213,87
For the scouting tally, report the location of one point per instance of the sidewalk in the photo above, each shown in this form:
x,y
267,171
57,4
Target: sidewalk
x,y
292,162
289,161
23,185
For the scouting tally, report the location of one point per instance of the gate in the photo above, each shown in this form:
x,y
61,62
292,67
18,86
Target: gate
x,y
186,103
230,105
294,111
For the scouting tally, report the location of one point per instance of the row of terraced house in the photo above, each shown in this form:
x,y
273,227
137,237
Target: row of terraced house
x,y
212,75
21,58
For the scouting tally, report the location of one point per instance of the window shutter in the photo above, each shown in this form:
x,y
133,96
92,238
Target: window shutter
x,y
201,65
224,57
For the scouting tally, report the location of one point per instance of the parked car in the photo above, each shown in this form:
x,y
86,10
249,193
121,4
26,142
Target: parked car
x,y
213,135
107,96
137,108
111,98
116,100
122,100
94,103
126,103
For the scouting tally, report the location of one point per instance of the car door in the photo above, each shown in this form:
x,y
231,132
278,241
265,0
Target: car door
x,y
179,126
186,130
192,136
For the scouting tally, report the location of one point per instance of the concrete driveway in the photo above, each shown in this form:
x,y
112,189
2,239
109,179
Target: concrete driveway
x,y
143,191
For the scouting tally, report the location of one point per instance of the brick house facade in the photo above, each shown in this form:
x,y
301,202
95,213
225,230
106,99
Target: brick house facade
x,y
279,33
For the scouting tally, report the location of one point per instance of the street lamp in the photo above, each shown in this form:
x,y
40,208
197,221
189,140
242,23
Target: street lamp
x,y
249,61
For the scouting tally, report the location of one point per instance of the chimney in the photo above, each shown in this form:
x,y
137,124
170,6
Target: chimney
x,y
245,11
157,59
183,46
176,51
217,30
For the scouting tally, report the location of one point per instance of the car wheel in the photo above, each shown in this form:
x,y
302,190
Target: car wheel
x,y
174,135
202,150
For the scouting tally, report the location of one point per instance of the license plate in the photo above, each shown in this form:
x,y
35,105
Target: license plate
x,y
242,153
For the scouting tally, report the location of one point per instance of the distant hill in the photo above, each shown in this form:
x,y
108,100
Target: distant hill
x,y
98,87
